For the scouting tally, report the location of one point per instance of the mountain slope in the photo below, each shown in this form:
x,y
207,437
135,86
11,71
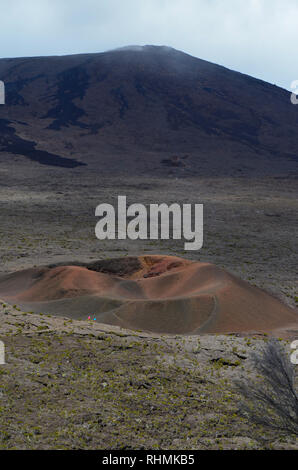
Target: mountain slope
x,y
146,109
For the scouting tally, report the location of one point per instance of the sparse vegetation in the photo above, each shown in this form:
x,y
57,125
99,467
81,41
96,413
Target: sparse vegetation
x,y
76,385
272,400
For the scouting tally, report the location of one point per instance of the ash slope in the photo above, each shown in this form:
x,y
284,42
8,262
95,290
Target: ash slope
x,y
159,294
146,110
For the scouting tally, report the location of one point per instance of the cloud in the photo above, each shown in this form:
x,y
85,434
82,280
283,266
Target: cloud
x,y
257,37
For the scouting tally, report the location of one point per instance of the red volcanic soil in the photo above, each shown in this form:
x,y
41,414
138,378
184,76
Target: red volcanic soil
x,y
161,294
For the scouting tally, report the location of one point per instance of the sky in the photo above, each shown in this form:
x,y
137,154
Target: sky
x,y
256,37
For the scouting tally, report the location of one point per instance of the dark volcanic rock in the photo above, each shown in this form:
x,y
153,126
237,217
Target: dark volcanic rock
x,y
132,109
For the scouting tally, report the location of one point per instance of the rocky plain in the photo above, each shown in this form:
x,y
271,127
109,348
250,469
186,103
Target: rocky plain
x,y
72,384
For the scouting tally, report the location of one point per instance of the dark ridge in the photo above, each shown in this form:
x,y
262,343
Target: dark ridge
x,y
13,89
72,84
121,101
117,266
114,266
94,128
12,143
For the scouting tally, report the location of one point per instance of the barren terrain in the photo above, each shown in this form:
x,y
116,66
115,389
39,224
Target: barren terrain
x,y
80,384
250,224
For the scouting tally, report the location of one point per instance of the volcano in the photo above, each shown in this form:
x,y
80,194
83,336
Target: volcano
x,y
146,110
159,294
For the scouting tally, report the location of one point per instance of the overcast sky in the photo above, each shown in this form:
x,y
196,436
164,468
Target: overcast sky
x,y
257,37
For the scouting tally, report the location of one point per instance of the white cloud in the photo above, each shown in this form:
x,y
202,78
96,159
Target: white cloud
x,y
257,37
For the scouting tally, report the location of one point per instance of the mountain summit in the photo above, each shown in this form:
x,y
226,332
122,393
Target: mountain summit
x,y
146,109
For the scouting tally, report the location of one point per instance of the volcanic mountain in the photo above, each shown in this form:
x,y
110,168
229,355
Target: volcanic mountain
x,y
146,110
161,294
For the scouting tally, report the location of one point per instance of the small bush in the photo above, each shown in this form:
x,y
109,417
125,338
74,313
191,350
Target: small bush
x,y
271,400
